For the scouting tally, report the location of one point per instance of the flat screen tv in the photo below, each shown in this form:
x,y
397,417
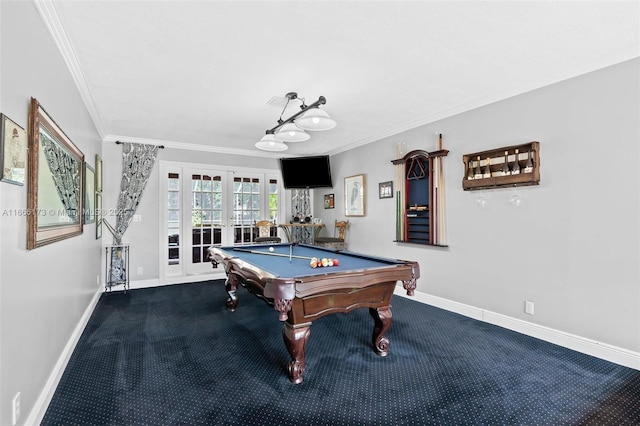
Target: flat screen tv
x,y
306,172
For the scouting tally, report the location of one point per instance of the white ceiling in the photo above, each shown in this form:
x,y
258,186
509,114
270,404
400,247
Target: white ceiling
x,y
199,74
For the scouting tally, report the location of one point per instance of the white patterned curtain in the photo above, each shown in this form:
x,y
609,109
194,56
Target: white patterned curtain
x,y
137,163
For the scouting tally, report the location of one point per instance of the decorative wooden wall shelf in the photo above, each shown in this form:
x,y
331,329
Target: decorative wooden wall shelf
x,y
471,181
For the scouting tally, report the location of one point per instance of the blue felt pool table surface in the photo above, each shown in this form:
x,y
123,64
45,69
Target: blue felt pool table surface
x,y
279,265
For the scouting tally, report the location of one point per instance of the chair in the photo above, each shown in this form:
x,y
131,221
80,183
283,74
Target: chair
x,y
339,234
264,232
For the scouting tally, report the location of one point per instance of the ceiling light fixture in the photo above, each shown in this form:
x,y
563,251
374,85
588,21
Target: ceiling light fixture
x,y
316,119
291,133
269,143
310,117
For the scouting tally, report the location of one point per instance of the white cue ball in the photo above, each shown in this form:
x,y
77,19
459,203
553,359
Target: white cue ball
x,y
271,249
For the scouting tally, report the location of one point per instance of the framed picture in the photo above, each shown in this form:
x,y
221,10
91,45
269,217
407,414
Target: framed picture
x,y
98,218
98,174
385,189
354,195
13,151
98,197
329,201
89,194
55,182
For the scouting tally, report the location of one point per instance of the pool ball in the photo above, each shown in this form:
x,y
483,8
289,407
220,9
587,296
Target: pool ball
x,y
271,249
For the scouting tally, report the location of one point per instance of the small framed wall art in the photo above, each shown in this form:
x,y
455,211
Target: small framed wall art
x,y
354,195
89,194
13,151
329,202
385,189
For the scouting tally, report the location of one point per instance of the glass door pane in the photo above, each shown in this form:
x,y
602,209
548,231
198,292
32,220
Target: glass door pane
x,y
206,219
247,208
274,198
173,218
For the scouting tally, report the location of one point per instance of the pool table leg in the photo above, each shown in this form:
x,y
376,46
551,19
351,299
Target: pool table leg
x,y
382,319
410,286
231,286
295,339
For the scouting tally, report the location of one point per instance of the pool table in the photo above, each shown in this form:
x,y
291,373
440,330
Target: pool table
x,y
301,294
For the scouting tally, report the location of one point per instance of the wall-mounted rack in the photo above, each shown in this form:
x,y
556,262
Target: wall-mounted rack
x,y
420,209
478,176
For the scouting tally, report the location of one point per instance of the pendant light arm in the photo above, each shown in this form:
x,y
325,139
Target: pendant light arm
x,y
321,101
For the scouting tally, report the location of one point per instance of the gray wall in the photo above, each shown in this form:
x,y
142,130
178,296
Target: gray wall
x,y
572,246
43,292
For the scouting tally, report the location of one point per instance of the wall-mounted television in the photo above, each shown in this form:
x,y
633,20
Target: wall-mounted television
x,y
306,172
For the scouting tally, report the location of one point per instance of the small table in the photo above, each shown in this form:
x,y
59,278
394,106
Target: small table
x,y
302,294
301,232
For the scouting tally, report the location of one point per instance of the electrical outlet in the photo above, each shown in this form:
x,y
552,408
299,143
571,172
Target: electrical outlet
x,y
528,307
15,409
140,270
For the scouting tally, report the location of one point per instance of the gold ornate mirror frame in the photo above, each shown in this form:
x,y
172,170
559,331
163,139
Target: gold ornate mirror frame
x,y
49,218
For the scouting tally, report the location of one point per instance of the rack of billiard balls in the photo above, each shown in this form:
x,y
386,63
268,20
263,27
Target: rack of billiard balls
x,y
324,262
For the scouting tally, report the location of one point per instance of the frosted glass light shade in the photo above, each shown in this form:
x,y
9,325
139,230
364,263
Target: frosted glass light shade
x,y
291,133
316,119
269,143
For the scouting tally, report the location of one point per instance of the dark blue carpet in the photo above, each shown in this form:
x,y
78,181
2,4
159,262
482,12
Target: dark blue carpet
x,y
175,356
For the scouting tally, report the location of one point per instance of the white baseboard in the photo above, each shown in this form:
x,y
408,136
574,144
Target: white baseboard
x,y
156,282
581,344
42,403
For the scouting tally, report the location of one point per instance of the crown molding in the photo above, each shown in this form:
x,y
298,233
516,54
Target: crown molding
x,y
49,15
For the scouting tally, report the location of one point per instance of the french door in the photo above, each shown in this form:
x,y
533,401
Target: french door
x,y
206,207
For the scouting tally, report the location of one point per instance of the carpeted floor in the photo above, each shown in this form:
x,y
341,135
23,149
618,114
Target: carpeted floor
x,y
175,356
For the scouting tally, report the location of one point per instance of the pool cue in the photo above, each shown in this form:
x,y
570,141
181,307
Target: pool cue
x,y
403,203
435,215
268,253
435,206
400,189
438,193
398,213
443,206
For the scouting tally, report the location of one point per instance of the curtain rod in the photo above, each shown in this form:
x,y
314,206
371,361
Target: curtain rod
x,y
159,146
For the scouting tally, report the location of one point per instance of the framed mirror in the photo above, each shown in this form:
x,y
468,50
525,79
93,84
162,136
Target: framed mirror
x,y
55,193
